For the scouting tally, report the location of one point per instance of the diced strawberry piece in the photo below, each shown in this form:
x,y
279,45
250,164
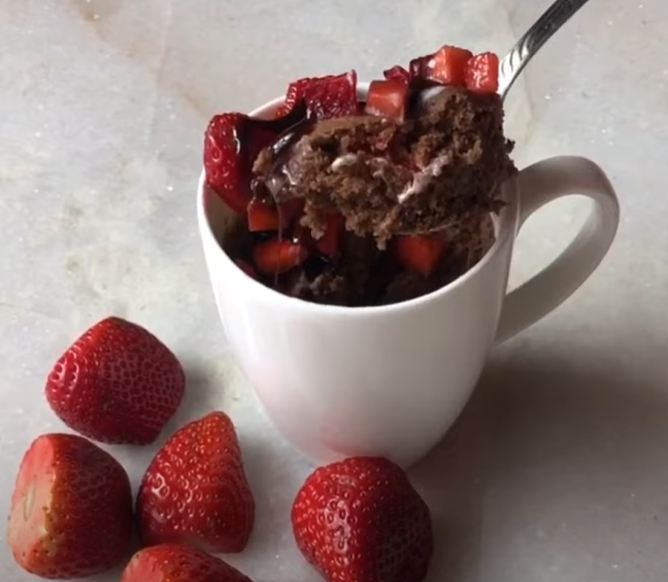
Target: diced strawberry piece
x,y
262,215
417,68
448,66
247,268
274,257
325,97
482,73
329,243
333,96
231,143
265,215
397,73
387,99
420,253
294,95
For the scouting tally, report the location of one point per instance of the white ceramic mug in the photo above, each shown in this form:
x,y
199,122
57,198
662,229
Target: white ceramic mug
x,y
391,380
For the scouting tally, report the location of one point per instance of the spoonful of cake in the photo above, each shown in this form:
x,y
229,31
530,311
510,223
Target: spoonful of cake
x,y
423,151
415,152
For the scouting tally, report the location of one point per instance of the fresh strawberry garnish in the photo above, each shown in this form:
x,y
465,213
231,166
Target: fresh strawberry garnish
x,y
361,520
329,243
71,510
334,96
387,99
325,97
225,162
195,491
482,73
175,563
417,68
294,95
117,383
448,66
421,253
397,73
262,215
231,143
247,268
273,257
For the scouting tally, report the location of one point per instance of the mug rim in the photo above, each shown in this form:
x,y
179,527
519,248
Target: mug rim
x,y
506,221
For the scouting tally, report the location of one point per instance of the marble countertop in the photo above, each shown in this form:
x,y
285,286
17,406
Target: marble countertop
x,y
556,471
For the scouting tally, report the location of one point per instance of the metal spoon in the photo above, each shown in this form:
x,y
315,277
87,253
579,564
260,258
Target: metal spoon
x,y
519,56
528,45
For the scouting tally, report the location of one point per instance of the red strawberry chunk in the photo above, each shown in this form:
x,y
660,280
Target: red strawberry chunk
x,y
417,68
329,243
117,383
325,97
262,215
397,73
223,160
482,73
387,99
421,253
274,257
448,66
265,215
231,143
195,490
294,95
71,510
176,563
361,520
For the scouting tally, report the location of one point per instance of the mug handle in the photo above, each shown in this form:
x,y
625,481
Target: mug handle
x,y
539,184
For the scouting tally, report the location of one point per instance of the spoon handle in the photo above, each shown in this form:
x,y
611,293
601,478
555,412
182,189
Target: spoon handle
x,y
532,41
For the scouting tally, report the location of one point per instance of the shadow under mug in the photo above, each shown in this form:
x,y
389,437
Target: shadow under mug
x,y
391,380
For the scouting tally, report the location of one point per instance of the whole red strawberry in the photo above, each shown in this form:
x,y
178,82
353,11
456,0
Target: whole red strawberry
x,y
361,520
71,511
117,383
174,563
195,490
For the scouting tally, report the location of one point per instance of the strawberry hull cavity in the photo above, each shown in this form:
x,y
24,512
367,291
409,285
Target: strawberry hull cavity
x,y
423,150
71,510
117,383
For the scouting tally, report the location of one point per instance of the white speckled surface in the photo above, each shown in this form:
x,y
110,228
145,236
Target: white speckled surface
x,y
557,470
